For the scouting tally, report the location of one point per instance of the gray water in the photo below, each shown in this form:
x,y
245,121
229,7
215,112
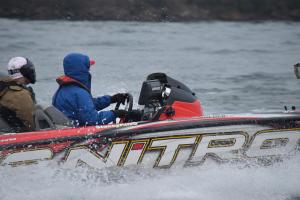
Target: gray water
x,y
232,66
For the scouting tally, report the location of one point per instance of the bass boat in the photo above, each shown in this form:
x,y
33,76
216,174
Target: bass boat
x,y
172,131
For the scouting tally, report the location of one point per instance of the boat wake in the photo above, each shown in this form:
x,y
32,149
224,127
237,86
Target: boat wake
x,y
227,181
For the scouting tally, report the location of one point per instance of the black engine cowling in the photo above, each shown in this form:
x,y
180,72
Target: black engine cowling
x,y
160,92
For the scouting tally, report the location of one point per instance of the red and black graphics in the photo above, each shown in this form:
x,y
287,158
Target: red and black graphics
x,y
164,150
119,131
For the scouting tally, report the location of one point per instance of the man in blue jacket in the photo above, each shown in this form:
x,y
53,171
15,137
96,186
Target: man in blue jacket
x,y
74,98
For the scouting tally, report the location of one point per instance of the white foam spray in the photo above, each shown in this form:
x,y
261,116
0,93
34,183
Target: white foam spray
x,y
227,181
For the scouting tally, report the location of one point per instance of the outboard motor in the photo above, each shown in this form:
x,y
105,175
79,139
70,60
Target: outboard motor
x,y
166,98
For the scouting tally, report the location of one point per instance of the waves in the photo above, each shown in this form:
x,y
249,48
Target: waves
x,y
228,181
232,67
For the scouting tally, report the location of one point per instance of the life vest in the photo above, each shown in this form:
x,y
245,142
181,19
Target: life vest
x,y
66,80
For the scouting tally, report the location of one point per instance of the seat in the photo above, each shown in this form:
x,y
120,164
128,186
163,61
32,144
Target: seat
x,y
57,117
41,120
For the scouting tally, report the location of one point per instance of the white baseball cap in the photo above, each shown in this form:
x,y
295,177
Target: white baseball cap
x,y
14,65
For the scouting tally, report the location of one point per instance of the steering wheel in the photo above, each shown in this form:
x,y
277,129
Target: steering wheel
x,y
128,106
128,103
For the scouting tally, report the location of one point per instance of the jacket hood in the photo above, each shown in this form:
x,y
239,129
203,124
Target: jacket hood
x,y
77,66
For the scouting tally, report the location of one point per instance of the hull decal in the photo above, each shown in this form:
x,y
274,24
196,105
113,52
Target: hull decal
x,y
163,151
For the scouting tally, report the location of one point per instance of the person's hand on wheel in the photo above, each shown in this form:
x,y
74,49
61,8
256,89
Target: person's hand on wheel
x,y
118,98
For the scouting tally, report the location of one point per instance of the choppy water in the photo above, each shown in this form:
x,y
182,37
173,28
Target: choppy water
x,y
232,67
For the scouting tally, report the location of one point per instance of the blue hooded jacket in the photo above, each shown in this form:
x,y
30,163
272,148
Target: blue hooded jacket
x,y
75,100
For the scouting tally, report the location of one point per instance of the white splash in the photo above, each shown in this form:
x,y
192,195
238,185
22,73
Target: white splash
x,y
229,181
